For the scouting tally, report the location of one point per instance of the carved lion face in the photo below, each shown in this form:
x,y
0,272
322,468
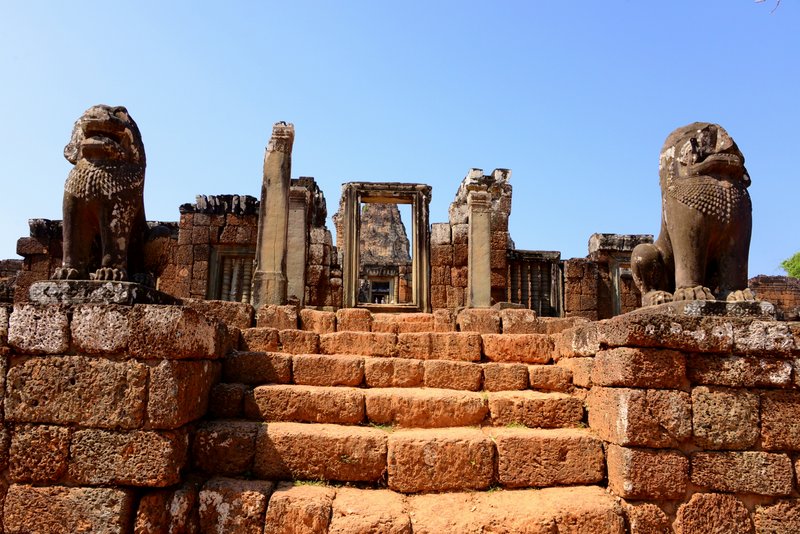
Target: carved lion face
x,y
106,135
702,149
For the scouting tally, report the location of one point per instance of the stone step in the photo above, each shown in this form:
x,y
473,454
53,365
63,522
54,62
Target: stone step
x,y
410,407
357,371
326,509
405,460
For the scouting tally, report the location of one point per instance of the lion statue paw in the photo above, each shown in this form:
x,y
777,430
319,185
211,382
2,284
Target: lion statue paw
x,y
110,274
693,293
741,295
656,297
66,273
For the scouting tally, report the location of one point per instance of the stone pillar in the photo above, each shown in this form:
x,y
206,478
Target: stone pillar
x,y
297,243
479,278
269,280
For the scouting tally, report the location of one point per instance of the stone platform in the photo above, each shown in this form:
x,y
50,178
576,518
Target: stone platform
x,y
71,292
757,309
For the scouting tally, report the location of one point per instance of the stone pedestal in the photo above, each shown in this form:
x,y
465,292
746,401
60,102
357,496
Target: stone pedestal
x,y
71,292
479,284
269,280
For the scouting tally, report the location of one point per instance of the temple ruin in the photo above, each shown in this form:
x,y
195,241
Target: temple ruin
x,y
407,376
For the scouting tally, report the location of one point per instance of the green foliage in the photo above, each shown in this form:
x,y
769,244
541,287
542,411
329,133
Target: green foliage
x,y
792,266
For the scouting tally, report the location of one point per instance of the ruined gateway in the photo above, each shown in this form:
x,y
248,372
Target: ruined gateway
x,y
479,394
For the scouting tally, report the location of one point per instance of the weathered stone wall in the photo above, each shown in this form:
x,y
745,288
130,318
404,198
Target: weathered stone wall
x,y
782,291
98,402
699,414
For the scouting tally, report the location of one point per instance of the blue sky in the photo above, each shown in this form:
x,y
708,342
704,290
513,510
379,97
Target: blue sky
x,y
575,97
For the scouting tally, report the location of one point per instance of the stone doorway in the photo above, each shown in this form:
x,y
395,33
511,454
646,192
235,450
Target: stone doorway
x,y
412,275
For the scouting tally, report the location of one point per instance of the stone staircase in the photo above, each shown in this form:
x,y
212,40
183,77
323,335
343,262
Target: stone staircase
x,y
400,423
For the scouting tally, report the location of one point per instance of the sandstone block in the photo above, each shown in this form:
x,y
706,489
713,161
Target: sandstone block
x,y
580,340
38,453
299,342
782,517
724,418
540,458
646,518
326,370
178,392
739,371
353,320
235,506
57,509
460,233
763,337
452,375
440,460
39,329
168,511
226,401
647,368
483,321
174,332
299,510
459,277
442,256
320,322
77,389
440,234
357,510
580,369
762,473
692,334
135,458
424,408
225,447
505,376
522,321
462,346
712,512
393,372
279,317
780,420
438,298
5,312
444,321
647,474
257,368
550,378
365,343
640,417
460,255
440,275
534,409
413,322
456,297
526,348
312,404
263,339
236,314
320,452
100,329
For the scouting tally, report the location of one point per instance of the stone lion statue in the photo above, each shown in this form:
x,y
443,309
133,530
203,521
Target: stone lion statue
x,y
702,250
103,197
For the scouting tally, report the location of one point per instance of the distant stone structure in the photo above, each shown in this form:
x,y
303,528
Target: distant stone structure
x,y
103,196
703,247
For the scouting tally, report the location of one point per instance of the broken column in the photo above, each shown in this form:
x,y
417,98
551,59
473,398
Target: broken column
x,y
269,280
479,276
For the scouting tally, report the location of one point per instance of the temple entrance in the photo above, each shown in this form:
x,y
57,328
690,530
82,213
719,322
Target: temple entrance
x,y
382,269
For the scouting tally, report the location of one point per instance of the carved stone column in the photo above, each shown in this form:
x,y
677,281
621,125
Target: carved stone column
x,y
297,243
269,280
479,279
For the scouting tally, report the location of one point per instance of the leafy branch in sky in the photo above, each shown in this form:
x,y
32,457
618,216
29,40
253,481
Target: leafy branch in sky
x,y
792,266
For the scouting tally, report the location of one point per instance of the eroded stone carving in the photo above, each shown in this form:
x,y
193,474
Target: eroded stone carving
x,y
103,196
702,250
